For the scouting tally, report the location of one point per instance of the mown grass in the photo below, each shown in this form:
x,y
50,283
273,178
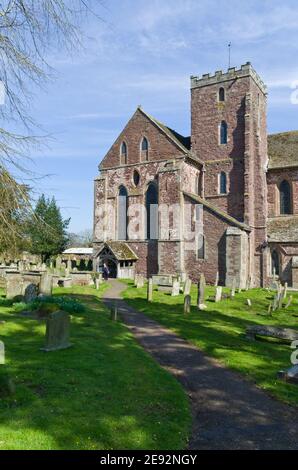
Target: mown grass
x,y
103,393
220,332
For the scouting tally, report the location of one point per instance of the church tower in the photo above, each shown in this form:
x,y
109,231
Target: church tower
x,y
229,135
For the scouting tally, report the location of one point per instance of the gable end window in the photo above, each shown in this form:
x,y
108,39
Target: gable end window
x,y
144,149
123,153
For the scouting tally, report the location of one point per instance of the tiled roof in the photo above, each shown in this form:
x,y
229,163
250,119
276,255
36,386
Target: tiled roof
x,y
283,229
283,150
217,211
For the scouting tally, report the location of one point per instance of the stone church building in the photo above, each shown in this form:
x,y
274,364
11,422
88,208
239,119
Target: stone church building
x,y
244,182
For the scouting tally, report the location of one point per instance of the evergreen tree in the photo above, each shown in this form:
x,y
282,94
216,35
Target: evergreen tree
x,y
48,230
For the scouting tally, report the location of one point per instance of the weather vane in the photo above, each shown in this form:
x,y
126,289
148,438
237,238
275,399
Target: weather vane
x,y
229,46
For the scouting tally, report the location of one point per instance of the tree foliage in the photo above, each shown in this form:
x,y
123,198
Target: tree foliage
x,y
47,230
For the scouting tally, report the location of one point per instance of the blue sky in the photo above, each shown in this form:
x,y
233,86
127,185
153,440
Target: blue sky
x,y
144,53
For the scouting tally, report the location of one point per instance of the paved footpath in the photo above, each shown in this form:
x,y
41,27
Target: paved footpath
x,y
229,412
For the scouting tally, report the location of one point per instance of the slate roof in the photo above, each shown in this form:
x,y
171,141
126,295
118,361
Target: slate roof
x,y
283,150
217,211
182,142
120,250
283,229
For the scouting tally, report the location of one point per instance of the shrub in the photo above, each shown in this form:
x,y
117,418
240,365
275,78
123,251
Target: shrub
x,y
7,387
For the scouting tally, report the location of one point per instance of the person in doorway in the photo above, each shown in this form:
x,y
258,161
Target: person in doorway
x,y
105,272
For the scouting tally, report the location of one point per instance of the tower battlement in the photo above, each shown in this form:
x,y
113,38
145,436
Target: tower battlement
x,y
233,73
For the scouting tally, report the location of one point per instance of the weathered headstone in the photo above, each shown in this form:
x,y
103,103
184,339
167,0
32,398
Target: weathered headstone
x,y
150,290
114,313
275,302
14,284
289,301
201,293
289,375
233,290
58,262
248,302
31,292
285,291
46,283
2,353
280,298
218,293
187,304
270,308
97,283
175,288
187,287
140,281
57,331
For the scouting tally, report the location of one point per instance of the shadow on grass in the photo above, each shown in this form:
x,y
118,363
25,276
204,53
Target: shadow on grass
x,y
103,393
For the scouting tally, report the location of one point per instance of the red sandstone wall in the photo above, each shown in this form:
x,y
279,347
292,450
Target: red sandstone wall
x,y
139,126
274,178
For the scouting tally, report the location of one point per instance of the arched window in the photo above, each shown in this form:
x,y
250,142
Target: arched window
x,y
223,133
145,149
285,197
201,246
275,263
123,153
122,213
223,183
221,94
152,212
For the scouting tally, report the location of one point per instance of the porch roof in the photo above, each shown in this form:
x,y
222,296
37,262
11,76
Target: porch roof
x,y
120,250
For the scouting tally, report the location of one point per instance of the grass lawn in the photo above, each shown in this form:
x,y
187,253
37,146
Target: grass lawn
x,y
103,393
220,332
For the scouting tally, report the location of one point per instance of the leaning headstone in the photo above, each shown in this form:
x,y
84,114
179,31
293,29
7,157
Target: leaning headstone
x,y
187,304
201,293
270,308
187,287
289,301
280,298
46,283
216,279
150,290
57,331
175,288
97,283
248,302
31,292
289,375
218,293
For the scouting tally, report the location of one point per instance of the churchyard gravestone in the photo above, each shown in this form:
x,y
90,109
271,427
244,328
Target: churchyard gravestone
x,y
289,375
97,283
289,301
57,331
31,292
285,291
275,303
187,304
270,309
201,293
218,293
287,334
187,287
114,312
175,288
248,302
150,290
140,281
14,284
65,282
46,283
233,290
280,298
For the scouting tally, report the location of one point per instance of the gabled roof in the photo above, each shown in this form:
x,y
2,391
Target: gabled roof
x,y
283,150
283,229
182,142
120,250
217,211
